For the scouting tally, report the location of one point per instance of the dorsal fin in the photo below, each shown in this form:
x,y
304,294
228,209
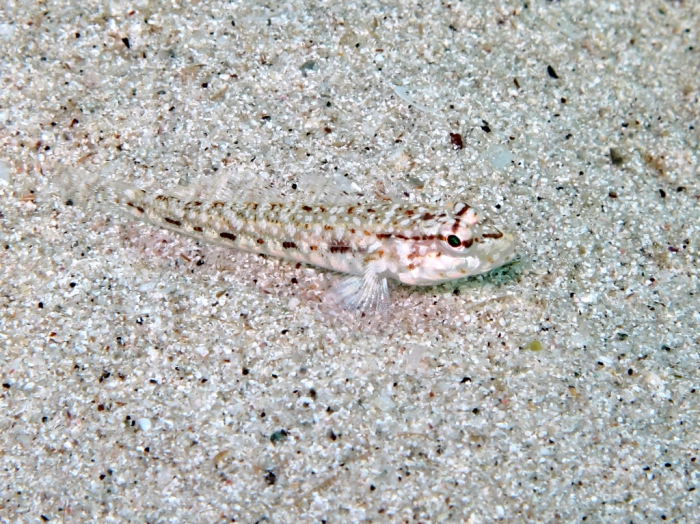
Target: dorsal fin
x,y
260,187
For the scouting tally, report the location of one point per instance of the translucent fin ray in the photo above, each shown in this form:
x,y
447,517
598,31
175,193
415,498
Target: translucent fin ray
x,y
366,293
251,187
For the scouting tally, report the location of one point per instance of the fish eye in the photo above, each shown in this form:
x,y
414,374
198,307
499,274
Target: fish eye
x,y
454,241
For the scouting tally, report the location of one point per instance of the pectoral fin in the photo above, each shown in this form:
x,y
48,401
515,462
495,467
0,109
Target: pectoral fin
x,y
369,292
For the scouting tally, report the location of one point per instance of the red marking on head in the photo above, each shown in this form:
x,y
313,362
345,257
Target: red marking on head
x,y
460,209
497,234
455,226
467,243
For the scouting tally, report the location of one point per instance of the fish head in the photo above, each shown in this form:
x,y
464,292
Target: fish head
x,y
467,243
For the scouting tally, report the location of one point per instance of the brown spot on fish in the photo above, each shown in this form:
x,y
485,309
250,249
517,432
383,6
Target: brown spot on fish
x,y
190,205
306,208
367,233
409,212
162,198
327,227
383,235
198,229
219,204
260,241
130,204
497,234
313,248
467,243
460,208
427,216
352,231
228,236
455,226
350,210
340,249
172,221
370,210
289,245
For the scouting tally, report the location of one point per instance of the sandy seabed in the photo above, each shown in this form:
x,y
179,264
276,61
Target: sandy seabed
x,y
148,378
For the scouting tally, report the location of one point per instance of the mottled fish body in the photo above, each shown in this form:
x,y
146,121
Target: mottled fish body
x,y
416,244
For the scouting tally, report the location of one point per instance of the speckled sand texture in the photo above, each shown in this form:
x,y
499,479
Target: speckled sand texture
x,y
147,378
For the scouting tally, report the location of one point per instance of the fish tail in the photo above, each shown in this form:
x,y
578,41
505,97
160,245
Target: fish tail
x,y
79,188
88,190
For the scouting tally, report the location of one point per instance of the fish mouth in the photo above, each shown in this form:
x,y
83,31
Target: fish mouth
x,y
504,250
509,253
